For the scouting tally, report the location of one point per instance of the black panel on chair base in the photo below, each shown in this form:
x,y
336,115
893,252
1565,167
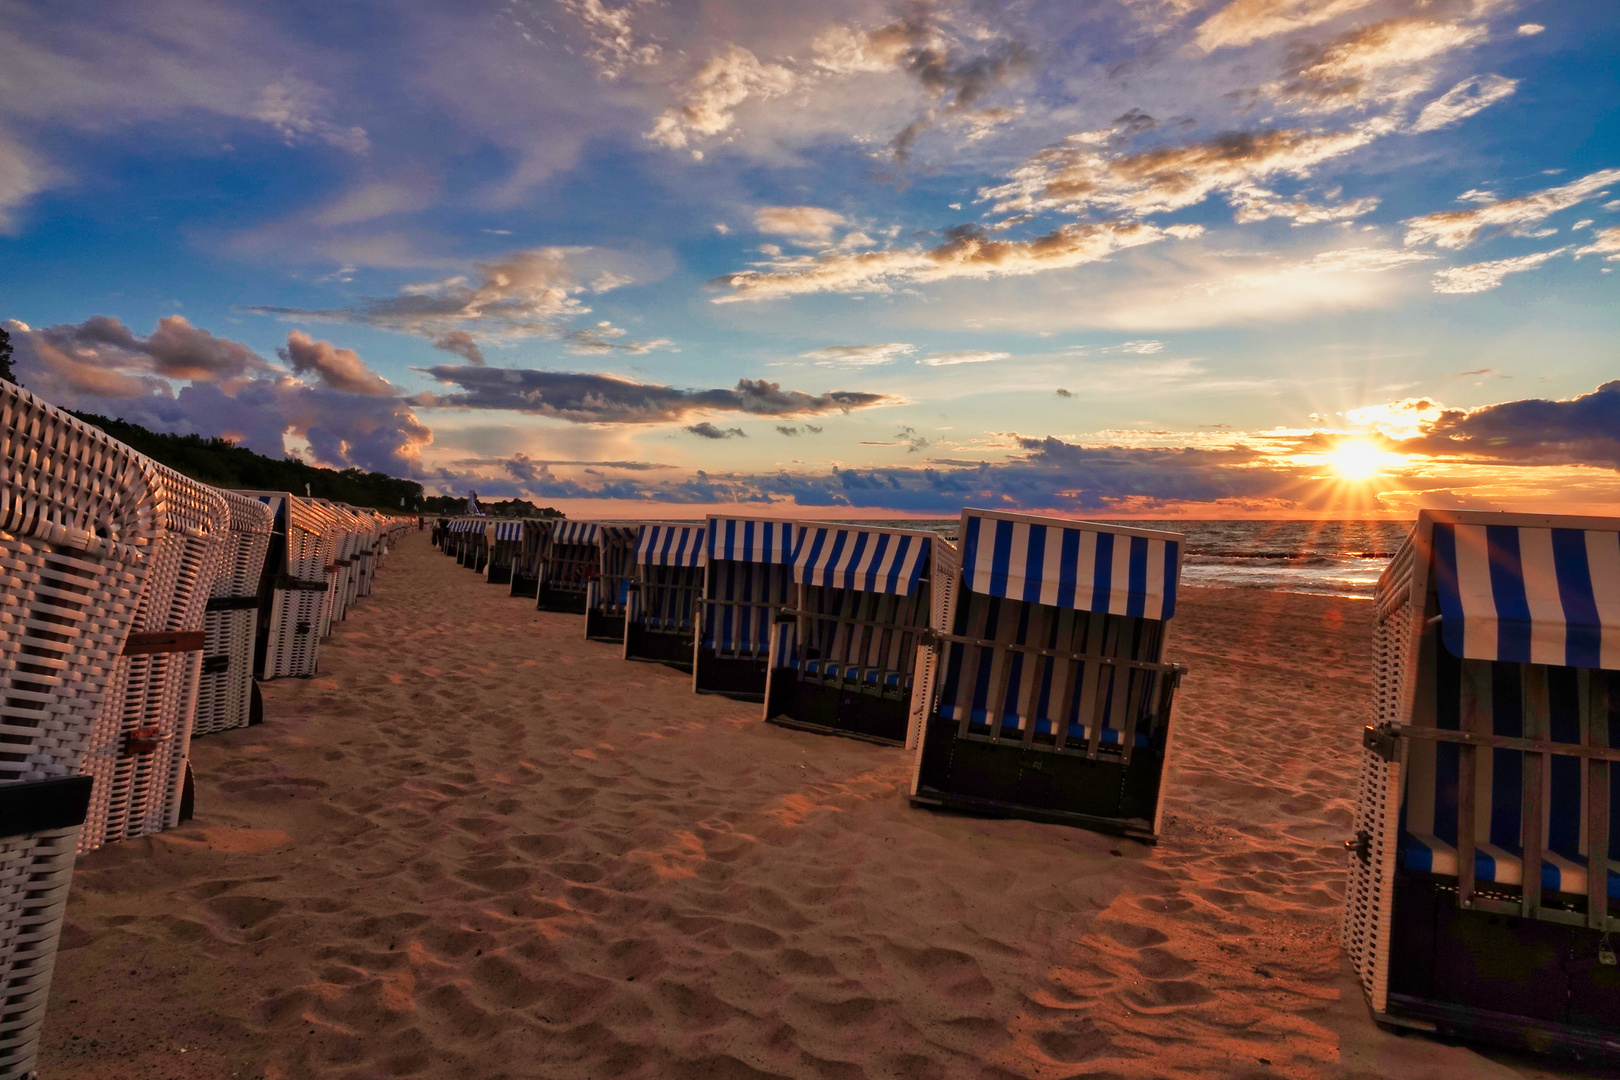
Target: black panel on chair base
x,y
1009,780
525,586
732,676
565,601
36,805
600,627
801,703
674,650
255,705
1518,982
500,575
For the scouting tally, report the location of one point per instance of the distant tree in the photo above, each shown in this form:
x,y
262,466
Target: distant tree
x,y
5,358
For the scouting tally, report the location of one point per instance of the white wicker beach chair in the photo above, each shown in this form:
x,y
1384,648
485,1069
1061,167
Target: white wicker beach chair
x,y
1052,702
608,592
140,743
845,659
528,559
1497,747
747,579
226,694
78,522
505,540
661,609
301,549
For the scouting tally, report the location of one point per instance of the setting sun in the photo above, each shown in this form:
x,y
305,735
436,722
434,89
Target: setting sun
x,y
1358,460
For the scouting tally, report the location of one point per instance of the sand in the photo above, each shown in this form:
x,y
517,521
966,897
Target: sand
x,y
477,845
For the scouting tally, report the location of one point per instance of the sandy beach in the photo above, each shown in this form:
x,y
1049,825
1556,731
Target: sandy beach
x,y
478,845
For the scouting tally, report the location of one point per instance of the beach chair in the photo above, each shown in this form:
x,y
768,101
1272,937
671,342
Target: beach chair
x,y
747,579
140,743
504,540
845,658
529,555
661,611
366,554
227,696
475,550
568,562
1052,702
607,594
1496,749
441,529
294,595
346,560
80,522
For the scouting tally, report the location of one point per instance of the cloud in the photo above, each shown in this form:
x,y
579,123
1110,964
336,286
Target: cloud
x,y
1064,393
1083,173
604,337
707,430
967,252
971,356
99,366
611,33
1459,228
1485,276
787,429
1243,22
1604,242
1530,29
520,295
23,174
291,107
341,369
860,355
713,94
1584,430
585,398
1254,203
1474,94
462,344
103,356
807,223
1374,63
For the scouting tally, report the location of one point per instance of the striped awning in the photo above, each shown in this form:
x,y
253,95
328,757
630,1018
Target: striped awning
x,y
467,525
574,532
1082,566
1529,595
670,545
509,530
754,540
870,560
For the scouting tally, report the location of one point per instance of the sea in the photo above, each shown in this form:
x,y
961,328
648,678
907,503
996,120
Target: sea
x,y
1335,558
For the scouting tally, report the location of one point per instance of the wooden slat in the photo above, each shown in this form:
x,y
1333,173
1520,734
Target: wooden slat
x,y
1466,738
1468,707
151,642
1597,801
1533,828
1099,635
1001,669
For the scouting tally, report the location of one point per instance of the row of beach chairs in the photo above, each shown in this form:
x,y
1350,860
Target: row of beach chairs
x,y
1024,667
139,606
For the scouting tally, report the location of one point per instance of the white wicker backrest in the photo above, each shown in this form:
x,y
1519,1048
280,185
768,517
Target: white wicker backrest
x,y
78,517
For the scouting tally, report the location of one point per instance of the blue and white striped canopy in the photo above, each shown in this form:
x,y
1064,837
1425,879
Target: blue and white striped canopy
x,y
463,525
870,560
574,532
509,530
1078,565
757,540
670,545
1529,595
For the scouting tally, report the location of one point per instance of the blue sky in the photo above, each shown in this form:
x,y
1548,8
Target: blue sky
x,y
1212,257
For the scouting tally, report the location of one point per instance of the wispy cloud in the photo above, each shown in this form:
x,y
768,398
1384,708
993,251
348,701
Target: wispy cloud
x,y
1459,228
1485,276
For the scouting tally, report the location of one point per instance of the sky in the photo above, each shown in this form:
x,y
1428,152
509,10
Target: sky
x,y
1116,258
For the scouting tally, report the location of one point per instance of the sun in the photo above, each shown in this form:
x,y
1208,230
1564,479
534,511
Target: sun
x,y
1357,459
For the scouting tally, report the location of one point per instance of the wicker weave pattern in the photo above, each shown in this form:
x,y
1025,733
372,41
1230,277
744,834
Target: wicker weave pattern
x,y
138,745
36,870
223,696
1370,892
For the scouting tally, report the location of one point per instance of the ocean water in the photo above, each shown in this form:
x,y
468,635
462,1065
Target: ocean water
x,y
1337,558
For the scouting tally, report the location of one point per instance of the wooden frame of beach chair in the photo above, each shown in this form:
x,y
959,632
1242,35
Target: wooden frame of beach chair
x,y
1054,619
366,555
569,560
607,594
294,592
1497,689
528,560
747,580
227,696
845,658
347,559
661,612
505,538
140,743
79,525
